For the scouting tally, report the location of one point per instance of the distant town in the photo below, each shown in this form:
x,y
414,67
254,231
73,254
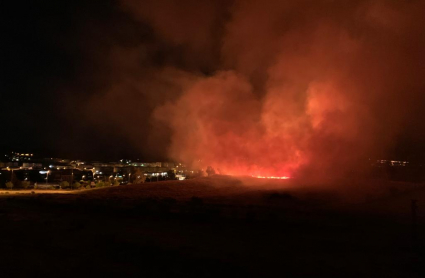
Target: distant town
x,y
27,170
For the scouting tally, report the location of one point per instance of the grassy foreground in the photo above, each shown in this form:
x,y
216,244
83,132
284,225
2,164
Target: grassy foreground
x,y
212,227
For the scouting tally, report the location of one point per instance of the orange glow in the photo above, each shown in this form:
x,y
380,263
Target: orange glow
x,y
276,178
304,102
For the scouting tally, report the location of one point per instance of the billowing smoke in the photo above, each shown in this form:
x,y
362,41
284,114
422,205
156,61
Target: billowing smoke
x,y
278,87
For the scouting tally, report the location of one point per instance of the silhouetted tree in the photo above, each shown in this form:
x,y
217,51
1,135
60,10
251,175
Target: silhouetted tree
x,y
171,175
210,171
25,184
100,184
64,184
76,185
9,185
138,177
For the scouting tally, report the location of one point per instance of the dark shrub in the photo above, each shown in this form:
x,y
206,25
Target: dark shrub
x,y
64,185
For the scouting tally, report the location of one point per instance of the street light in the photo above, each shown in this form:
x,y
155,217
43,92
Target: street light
x,y
72,177
11,178
47,176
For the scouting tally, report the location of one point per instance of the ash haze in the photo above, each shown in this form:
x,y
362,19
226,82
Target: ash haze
x,y
248,87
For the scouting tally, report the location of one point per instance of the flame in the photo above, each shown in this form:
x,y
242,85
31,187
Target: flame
x,y
272,177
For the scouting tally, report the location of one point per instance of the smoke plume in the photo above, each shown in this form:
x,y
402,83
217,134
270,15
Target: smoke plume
x,y
276,87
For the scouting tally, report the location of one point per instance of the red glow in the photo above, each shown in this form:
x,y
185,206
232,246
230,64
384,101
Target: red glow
x,y
276,178
304,109
250,90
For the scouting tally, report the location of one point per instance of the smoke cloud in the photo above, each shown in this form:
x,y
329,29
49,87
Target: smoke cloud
x,y
273,87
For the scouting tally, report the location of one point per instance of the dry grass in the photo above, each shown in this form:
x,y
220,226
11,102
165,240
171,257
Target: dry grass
x,y
213,227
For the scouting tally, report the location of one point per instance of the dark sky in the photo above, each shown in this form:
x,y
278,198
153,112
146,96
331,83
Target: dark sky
x,y
49,68
200,79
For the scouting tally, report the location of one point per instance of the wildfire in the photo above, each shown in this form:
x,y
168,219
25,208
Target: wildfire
x,y
272,177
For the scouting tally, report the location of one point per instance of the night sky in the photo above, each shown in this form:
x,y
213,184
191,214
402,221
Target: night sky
x,y
52,67
222,81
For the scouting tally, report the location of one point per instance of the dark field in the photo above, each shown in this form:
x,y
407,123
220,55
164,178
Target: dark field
x,y
220,226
